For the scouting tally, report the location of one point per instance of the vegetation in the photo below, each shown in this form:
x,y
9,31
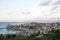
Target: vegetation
x,y
53,36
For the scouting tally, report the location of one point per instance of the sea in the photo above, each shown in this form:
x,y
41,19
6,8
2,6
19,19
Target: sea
x,y
3,30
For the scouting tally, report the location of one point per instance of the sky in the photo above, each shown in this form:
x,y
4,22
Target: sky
x,y
24,10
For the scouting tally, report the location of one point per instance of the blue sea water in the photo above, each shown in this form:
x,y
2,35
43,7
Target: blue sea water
x,y
3,24
8,31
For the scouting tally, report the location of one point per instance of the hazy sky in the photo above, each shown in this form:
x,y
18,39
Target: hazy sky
x,y
24,10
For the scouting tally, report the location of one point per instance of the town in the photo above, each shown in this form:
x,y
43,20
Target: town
x,y
28,29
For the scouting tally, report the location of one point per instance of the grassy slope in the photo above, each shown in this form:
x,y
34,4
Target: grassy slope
x,y
54,36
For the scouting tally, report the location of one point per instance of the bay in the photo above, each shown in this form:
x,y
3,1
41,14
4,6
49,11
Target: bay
x,y
8,31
